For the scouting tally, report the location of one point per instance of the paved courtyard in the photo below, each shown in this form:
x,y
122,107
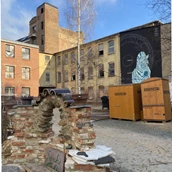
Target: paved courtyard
x,y
139,146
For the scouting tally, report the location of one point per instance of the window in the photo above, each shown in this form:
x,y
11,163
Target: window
x,y
65,59
82,74
9,71
25,73
66,76
42,10
25,91
73,57
82,54
82,90
47,60
42,39
111,70
34,29
58,60
90,53
42,25
110,47
90,93
101,70
47,77
9,51
9,93
73,76
25,53
100,49
59,77
73,90
90,72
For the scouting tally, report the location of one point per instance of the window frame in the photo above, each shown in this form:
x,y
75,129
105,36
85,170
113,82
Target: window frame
x,y
73,57
47,62
58,60
59,77
26,88
47,77
111,47
9,51
100,49
7,73
24,53
101,75
90,73
109,69
25,76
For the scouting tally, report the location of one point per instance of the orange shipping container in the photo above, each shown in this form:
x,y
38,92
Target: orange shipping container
x,y
156,99
125,102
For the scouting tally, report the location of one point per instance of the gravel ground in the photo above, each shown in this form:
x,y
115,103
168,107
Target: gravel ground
x,y
139,146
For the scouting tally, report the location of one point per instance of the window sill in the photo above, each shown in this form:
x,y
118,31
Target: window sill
x,y
111,53
25,59
111,75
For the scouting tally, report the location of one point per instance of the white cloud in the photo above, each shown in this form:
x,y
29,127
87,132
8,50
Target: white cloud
x,y
14,20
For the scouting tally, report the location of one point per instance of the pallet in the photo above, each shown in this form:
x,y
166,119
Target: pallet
x,y
156,121
134,120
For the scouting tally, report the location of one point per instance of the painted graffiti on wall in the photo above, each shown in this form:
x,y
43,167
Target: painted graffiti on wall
x,y
140,54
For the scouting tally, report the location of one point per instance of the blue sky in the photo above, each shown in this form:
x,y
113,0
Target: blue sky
x,y
113,16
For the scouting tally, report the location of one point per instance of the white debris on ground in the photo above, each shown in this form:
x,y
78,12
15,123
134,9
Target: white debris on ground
x,y
100,156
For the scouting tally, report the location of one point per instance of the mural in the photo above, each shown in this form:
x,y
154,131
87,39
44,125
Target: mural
x,y
142,70
140,53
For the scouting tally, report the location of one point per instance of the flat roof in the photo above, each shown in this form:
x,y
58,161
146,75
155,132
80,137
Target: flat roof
x,y
19,43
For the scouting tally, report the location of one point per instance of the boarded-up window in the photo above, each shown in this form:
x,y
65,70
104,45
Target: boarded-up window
x,y
90,53
100,49
25,91
65,59
111,70
101,70
58,60
9,51
73,57
90,93
9,71
59,77
25,53
90,72
25,73
82,74
66,76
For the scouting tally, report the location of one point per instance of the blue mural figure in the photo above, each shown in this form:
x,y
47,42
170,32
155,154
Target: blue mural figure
x,y
142,70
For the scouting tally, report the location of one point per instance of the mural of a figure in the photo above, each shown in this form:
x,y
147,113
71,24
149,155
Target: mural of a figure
x,y
142,70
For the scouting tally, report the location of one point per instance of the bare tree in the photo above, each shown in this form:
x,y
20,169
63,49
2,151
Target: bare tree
x,y
80,15
161,8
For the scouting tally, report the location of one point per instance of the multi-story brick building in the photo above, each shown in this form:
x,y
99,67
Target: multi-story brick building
x,y
99,66
46,32
19,69
111,60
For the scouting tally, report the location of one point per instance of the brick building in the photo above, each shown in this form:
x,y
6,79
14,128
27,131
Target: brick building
x,y
19,69
46,32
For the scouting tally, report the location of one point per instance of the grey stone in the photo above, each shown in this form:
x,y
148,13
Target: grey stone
x,y
12,168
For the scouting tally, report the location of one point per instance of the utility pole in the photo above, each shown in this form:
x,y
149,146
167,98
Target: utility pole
x,y
79,28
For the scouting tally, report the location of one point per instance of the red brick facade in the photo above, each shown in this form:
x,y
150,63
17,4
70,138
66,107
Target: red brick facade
x,y
19,71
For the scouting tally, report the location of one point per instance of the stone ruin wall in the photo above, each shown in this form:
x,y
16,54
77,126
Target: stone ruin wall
x,y
33,131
